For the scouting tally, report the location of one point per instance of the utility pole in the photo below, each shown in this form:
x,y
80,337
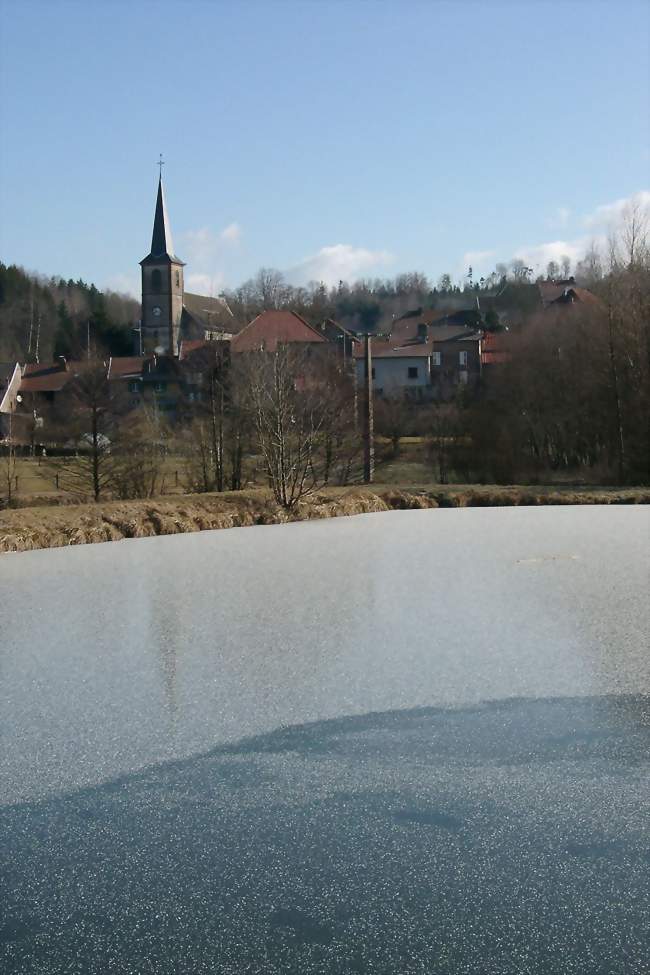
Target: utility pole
x,y
31,324
38,339
368,419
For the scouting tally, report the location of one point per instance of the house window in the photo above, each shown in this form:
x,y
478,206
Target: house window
x,y
413,372
156,280
462,358
463,376
160,387
373,372
134,386
437,358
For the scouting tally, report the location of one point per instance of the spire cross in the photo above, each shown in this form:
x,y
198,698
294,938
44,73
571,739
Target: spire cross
x,y
160,164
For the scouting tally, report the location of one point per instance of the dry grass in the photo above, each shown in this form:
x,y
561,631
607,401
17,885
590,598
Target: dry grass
x,y
48,526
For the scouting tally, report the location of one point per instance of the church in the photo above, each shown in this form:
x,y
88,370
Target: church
x,y
171,315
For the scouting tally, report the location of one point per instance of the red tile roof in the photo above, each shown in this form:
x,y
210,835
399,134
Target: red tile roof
x,y
397,347
50,377
272,328
193,345
123,366
565,291
44,377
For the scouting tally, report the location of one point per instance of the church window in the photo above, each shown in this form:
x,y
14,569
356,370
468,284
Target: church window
x,y
178,279
156,280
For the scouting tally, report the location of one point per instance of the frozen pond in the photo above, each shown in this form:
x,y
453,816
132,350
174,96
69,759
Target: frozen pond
x,y
117,656
397,743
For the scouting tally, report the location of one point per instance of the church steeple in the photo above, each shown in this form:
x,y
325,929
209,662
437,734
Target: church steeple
x,y
162,285
161,239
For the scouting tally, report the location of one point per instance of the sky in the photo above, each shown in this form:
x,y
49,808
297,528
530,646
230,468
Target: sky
x,y
330,139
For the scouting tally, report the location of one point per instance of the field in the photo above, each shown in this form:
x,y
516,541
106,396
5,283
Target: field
x,y
36,479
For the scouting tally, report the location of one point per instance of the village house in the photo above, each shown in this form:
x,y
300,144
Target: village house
x,y
427,356
554,294
273,328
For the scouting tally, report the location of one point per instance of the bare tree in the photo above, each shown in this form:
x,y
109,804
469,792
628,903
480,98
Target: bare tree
x,y
444,427
391,419
9,462
292,410
135,464
86,418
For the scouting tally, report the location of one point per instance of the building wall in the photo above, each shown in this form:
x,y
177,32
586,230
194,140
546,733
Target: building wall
x,y
391,376
451,372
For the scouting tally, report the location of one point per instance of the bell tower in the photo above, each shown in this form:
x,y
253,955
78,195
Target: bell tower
x,y
162,285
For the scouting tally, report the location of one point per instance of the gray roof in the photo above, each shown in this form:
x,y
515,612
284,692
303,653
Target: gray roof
x,y
210,313
161,239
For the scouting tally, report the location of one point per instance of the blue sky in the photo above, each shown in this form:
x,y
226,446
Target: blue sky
x,y
326,139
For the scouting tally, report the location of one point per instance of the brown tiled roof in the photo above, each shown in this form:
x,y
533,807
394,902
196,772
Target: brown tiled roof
x,y
123,366
212,312
272,328
50,377
44,377
396,348
385,349
188,346
565,291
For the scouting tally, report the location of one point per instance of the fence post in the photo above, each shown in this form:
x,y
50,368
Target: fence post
x,y
16,488
56,481
176,476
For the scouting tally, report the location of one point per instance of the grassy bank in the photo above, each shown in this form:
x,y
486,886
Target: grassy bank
x,y
23,529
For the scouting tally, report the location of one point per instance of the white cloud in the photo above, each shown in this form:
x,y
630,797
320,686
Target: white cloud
x,y
205,284
203,249
538,256
599,222
231,234
611,213
559,218
338,262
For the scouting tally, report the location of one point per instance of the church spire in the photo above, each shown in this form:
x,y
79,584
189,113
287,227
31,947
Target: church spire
x,y
161,239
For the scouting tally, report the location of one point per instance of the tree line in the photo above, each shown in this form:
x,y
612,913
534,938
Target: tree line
x,y
42,318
